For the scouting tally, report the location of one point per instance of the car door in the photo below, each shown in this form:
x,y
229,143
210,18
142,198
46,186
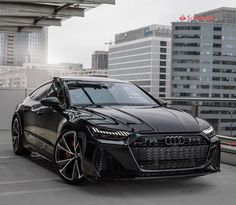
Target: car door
x,y
29,112
49,119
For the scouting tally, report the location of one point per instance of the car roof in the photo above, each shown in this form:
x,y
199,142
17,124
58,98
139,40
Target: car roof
x,y
92,79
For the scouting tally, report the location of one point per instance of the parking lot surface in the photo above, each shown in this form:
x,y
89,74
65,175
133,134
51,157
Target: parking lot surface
x,y
32,181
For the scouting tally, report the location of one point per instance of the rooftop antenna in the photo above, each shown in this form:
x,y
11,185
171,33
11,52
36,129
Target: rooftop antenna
x,y
110,43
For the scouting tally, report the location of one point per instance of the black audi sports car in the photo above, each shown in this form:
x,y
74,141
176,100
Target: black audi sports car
x,y
96,128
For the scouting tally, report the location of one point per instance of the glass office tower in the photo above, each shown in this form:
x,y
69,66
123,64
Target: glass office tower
x,y
19,48
204,64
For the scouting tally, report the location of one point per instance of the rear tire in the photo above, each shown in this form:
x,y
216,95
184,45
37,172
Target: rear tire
x,y
17,138
68,158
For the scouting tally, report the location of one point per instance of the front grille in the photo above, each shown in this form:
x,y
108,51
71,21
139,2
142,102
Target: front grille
x,y
155,153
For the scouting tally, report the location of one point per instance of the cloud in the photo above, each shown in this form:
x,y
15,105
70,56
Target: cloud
x,y
79,37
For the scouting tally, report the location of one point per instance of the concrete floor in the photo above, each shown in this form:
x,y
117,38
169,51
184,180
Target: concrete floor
x,y
32,181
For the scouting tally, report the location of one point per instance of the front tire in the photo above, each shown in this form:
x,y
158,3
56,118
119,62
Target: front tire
x,y
17,138
68,158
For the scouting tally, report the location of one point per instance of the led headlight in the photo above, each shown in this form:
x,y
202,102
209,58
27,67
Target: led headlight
x,y
209,131
108,134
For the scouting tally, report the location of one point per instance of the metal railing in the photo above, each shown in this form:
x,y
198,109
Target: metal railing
x,y
228,149
220,112
228,144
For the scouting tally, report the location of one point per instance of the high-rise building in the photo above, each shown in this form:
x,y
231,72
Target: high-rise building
x,y
100,60
19,48
204,63
143,56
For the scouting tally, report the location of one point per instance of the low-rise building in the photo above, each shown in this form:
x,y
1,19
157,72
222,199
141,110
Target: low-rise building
x,y
32,75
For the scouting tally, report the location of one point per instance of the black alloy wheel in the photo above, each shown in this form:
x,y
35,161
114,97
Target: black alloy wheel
x,y
68,158
17,138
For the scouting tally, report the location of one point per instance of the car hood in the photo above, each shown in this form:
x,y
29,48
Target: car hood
x,y
147,119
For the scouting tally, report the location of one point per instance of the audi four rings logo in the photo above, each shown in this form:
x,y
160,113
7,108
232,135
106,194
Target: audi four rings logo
x,y
174,140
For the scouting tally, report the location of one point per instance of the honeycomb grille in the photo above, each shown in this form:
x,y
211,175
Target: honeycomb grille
x,y
215,157
159,156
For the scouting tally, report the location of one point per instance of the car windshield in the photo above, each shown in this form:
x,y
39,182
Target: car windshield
x,y
107,93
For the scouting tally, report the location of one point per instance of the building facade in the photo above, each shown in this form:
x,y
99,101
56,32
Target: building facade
x,y
19,48
204,65
94,73
100,60
143,57
32,75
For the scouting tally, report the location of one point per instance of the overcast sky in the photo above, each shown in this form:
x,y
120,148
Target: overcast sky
x,y
77,38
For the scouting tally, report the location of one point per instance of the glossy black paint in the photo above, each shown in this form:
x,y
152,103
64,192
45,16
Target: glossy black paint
x,y
42,125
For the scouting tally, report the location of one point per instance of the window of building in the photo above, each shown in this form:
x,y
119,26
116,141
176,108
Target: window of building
x,y
163,43
215,95
184,94
162,95
216,78
162,56
180,69
228,71
216,28
216,53
229,62
187,44
187,36
186,53
216,62
162,70
225,79
187,27
205,86
162,83
217,45
217,37
162,76
186,61
163,50
186,86
162,63
162,90
216,87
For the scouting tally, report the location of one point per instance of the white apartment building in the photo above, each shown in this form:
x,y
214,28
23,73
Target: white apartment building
x,y
143,57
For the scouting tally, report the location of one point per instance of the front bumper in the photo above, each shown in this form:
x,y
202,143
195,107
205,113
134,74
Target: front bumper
x,y
117,159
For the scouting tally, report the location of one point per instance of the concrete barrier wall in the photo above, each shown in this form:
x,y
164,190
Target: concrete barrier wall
x,y
9,98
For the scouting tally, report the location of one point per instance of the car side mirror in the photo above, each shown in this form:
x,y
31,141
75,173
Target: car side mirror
x,y
51,102
163,102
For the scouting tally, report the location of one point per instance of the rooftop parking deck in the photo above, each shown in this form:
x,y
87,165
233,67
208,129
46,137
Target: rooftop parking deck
x,y
32,180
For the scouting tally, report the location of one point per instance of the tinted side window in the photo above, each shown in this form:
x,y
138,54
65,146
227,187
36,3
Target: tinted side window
x,y
41,92
52,92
